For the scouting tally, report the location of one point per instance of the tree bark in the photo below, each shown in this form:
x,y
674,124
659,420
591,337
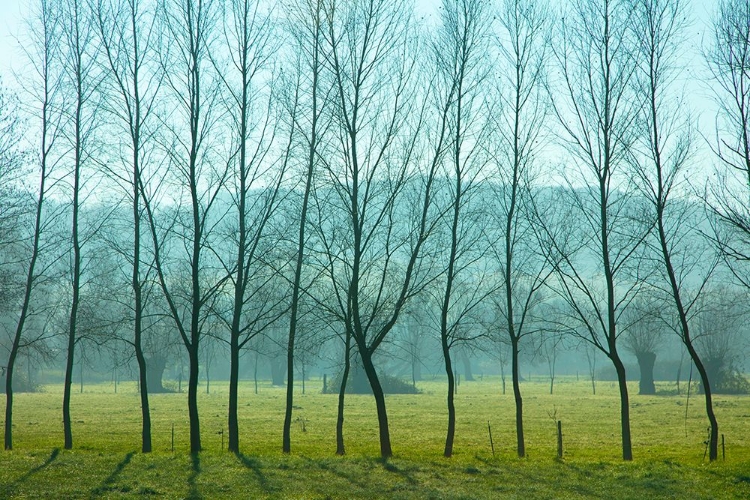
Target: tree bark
x,y
195,433
646,361
340,449
520,443
627,447
234,375
377,392
449,436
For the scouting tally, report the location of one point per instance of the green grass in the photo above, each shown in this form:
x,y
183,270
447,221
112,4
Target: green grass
x,y
105,462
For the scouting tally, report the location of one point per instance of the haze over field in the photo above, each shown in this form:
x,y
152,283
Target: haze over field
x,y
375,194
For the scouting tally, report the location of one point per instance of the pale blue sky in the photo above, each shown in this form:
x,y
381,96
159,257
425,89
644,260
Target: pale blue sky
x,y
13,12
10,21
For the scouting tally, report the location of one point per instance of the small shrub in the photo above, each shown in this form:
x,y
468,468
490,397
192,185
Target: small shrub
x,y
733,383
360,385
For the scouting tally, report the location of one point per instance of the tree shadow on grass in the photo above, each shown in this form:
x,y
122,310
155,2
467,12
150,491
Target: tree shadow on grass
x,y
194,494
519,479
356,479
108,485
254,465
6,491
391,467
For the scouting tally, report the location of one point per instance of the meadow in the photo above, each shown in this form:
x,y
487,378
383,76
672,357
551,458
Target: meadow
x,y
668,445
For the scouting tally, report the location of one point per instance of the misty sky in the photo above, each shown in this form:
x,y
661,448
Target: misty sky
x,y
13,12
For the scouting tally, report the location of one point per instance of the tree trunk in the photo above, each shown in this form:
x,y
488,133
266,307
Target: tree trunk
x,y
195,433
466,361
713,441
646,362
146,446
416,370
234,377
9,395
377,391
714,368
448,451
278,370
340,449
627,447
67,430
286,444
154,372
521,445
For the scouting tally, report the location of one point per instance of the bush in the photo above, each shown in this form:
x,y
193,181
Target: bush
x,y
732,383
358,384
21,383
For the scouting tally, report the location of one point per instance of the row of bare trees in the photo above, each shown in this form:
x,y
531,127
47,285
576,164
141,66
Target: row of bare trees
x,y
333,166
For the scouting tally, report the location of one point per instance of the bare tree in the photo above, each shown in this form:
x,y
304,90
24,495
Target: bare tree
x,y
666,144
128,31
11,218
643,333
307,24
720,337
248,36
373,62
523,43
41,53
596,111
79,58
460,52
728,58
551,342
198,177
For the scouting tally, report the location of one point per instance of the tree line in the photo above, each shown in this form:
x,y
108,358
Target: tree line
x,y
222,169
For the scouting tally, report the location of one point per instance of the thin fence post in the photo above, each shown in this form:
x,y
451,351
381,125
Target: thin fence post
x,y
559,439
492,444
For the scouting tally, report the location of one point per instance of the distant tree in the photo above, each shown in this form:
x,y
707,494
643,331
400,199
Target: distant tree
x,y
642,335
551,343
721,338
412,340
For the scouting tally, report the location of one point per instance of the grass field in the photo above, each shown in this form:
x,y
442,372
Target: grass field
x,y
105,462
